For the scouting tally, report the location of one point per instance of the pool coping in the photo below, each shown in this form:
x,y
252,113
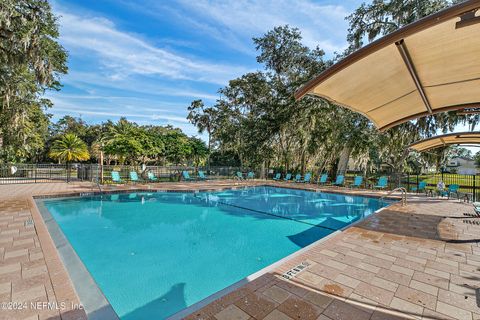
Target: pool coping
x,y
94,302
223,292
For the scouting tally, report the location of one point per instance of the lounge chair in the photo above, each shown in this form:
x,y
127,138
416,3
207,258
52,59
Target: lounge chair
x,y
151,176
116,177
339,181
186,176
307,178
250,175
288,177
323,179
422,187
134,176
239,176
298,177
357,182
277,176
201,175
452,189
382,183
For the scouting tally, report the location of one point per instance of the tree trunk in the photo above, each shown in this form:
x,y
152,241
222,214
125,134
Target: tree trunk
x,y
209,151
343,160
302,163
101,166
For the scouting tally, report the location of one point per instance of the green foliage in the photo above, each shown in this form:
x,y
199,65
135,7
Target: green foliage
x,y
69,148
31,61
258,120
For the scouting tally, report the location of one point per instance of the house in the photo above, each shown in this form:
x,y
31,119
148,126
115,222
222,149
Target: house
x,y
461,165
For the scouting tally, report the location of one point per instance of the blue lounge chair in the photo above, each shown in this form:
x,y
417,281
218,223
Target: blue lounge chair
x,y
323,179
134,176
250,175
186,176
116,177
277,176
382,183
340,180
239,176
452,189
307,178
422,187
201,175
288,177
357,182
298,177
151,176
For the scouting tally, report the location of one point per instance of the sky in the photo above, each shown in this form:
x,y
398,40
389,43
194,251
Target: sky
x,y
148,60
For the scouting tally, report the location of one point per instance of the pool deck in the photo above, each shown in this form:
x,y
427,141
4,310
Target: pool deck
x,y
421,261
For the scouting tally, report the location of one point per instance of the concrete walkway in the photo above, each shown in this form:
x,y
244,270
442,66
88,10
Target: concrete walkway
x,y
418,261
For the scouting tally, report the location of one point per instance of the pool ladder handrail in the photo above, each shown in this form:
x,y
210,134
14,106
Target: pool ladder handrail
x,y
402,190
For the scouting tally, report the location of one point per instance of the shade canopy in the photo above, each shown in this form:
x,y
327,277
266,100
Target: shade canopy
x,y
427,67
461,138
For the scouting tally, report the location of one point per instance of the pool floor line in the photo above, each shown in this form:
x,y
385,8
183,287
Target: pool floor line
x,y
270,214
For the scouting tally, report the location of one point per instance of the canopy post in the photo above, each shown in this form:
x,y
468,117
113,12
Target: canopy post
x,y
402,48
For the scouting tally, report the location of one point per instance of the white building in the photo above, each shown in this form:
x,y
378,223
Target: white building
x,y
462,166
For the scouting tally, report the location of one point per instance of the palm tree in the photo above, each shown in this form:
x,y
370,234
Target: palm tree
x,y
69,148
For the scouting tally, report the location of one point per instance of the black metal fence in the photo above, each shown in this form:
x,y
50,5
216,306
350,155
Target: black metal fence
x,y
41,173
35,173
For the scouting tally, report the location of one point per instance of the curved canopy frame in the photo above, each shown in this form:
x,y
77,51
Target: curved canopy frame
x,y
426,67
461,138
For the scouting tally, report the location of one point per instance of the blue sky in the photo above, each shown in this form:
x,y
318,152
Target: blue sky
x,y
147,60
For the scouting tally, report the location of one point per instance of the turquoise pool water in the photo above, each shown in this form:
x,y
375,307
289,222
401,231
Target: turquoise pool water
x,y
154,254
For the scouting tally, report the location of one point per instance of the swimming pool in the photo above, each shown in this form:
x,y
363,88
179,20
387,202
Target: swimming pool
x,y
154,254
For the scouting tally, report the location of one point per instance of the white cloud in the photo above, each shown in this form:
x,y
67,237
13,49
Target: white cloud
x,y
124,54
66,106
235,22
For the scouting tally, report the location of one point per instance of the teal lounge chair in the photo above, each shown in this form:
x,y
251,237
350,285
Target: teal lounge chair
x,y
186,176
239,176
452,189
250,175
422,187
298,177
151,176
288,177
201,175
277,176
116,177
340,180
382,183
134,176
357,182
323,179
307,178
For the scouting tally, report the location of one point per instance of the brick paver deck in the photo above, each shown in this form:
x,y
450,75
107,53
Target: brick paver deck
x,y
418,261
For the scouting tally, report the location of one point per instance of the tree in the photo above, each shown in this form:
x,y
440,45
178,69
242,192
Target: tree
x,y
381,17
31,61
69,148
203,119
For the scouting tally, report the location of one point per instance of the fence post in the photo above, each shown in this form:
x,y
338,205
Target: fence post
x,y
474,192
35,173
408,182
419,183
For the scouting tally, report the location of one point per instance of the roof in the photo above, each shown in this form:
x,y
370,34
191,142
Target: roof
x,y
426,67
463,138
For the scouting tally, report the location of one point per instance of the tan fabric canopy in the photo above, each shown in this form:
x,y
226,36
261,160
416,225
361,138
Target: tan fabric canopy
x,y
471,138
430,66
